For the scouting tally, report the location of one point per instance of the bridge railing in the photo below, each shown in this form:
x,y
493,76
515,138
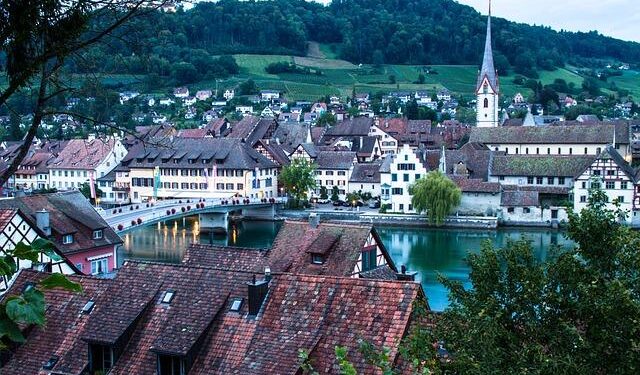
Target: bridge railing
x,y
143,213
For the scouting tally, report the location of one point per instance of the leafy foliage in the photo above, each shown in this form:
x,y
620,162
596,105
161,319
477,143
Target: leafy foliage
x,y
27,308
298,178
575,312
436,194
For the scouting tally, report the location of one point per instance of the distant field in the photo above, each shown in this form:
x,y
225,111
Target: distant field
x,y
342,77
629,80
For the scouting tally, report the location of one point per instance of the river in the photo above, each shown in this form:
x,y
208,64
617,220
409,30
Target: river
x,y
428,251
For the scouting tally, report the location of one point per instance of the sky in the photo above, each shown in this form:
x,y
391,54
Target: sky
x,y
617,18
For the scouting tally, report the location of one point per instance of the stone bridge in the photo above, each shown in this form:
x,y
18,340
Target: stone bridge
x,y
213,213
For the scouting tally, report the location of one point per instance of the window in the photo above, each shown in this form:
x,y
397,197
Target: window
x,y
621,199
623,185
342,173
584,184
583,199
405,178
530,180
539,180
229,186
526,210
611,172
548,151
554,214
510,210
418,176
559,151
99,266
369,259
171,365
317,259
67,239
501,178
329,173
401,207
486,103
561,181
396,191
586,151
240,187
394,177
100,358
550,180
610,185
98,234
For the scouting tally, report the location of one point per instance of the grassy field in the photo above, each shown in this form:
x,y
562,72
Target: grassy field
x,y
630,80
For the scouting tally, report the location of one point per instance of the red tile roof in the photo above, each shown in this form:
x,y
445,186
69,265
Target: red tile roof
x,y
61,334
6,215
341,244
300,312
83,154
69,213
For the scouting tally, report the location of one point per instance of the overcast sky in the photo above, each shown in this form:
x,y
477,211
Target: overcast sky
x,y
616,18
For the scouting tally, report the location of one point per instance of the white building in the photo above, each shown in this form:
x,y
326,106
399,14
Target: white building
x,y
488,87
365,178
334,168
611,173
83,159
268,95
398,172
229,94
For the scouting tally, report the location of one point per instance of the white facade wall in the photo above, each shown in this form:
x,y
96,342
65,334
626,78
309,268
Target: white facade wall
x,y
395,184
487,106
612,180
534,215
526,181
333,177
556,149
364,187
388,144
479,204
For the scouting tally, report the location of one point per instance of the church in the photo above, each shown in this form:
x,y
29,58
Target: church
x,y
488,86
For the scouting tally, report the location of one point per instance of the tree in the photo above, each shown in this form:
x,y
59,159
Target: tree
x,y
85,189
577,311
437,195
37,39
335,194
248,87
326,119
27,308
421,79
323,192
298,179
392,78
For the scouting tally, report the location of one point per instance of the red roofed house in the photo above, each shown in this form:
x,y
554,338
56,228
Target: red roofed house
x,y
16,227
176,319
73,225
82,158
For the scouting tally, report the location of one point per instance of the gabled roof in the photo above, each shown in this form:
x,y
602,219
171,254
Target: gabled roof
x,y
366,173
341,243
335,159
65,325
520,198
83,154
251,129
602,133
301,312
359,126
69,213
540,165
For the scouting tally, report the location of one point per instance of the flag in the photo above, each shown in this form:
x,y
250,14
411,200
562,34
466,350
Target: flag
x,y
156,181
206,177
214,173
92,185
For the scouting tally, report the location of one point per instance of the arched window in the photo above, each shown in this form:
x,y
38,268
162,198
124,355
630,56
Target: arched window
x,y
486,103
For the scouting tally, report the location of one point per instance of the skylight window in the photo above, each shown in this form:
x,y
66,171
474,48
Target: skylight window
x,y
88,307
236,305
50,364
168,296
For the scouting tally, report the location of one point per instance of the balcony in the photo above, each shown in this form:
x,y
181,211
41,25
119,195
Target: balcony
x,y
121,187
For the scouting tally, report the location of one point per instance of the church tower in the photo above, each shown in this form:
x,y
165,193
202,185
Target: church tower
x,y
488,86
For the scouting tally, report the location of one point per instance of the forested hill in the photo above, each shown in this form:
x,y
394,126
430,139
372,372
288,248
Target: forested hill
x,y
360,31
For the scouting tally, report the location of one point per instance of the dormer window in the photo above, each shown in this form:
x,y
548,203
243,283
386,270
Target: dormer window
x,y
171,365
67,239
101,358
317,259
98,234
168,296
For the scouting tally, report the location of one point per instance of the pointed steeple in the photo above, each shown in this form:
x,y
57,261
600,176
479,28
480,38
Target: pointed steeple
x,y
309,139
488,69
443,161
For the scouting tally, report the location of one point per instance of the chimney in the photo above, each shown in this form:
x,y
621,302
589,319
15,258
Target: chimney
x,y
257,291
42,221
314,220
406,276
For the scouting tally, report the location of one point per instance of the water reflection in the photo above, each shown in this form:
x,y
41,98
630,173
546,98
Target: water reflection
x,y
428,251
167,240
443,251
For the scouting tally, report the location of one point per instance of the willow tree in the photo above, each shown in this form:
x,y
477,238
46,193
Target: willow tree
x,y
437,195
298,178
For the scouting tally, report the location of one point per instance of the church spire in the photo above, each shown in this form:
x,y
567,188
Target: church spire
x,y
488,69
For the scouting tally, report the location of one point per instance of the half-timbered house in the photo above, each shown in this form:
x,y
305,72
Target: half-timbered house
x,y
611,173
15,228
